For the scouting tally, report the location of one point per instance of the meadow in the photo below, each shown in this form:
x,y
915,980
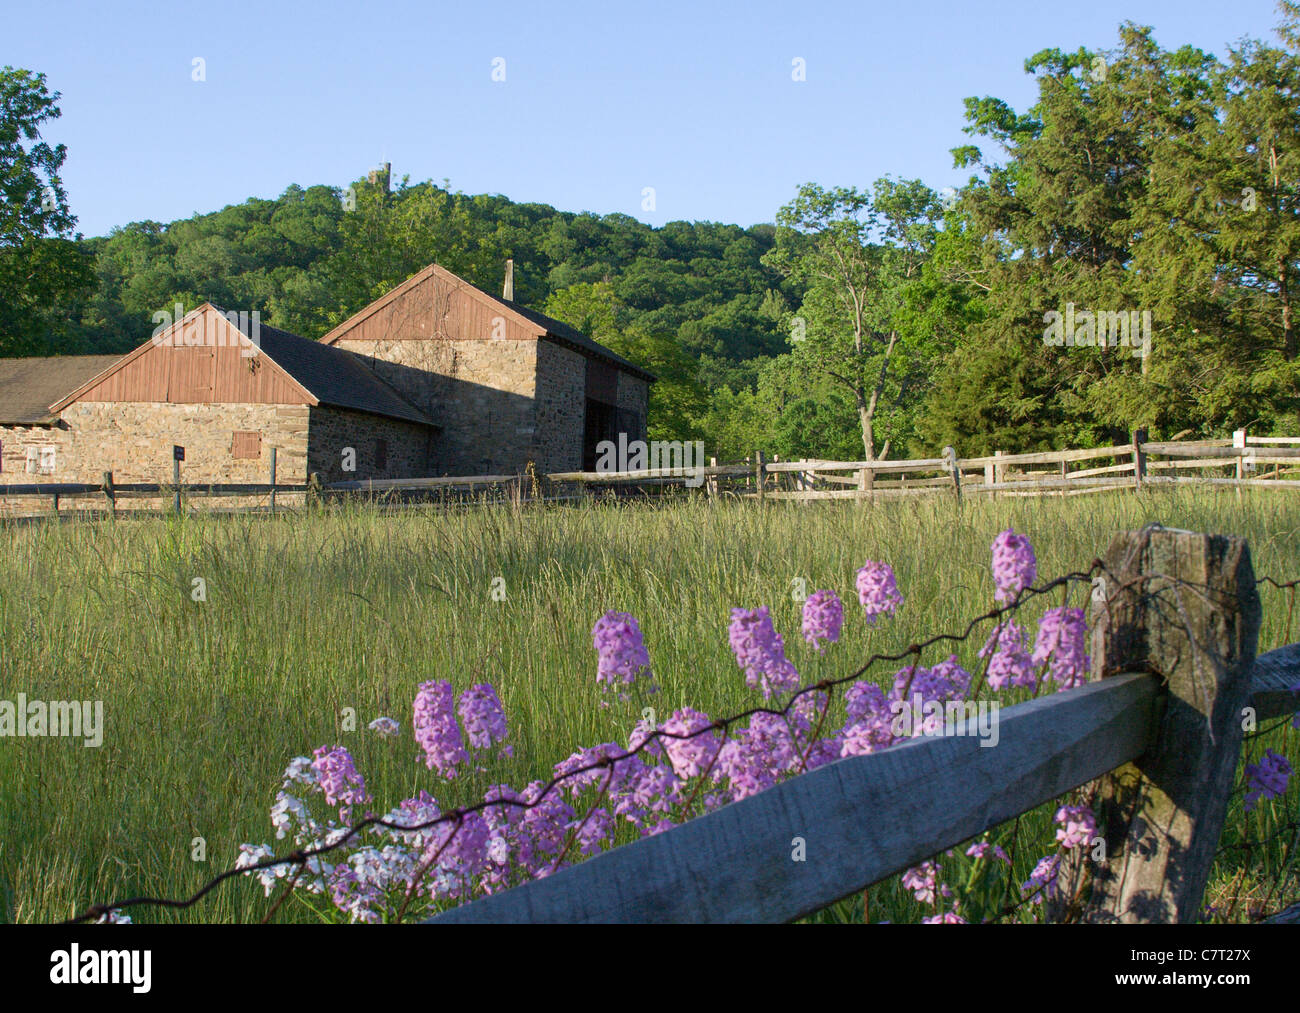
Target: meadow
x,y
307,614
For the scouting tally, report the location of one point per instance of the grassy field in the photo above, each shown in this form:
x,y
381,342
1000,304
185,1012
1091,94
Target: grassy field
x,y
310,613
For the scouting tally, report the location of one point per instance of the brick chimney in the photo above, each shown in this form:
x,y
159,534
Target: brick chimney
x,y
508,290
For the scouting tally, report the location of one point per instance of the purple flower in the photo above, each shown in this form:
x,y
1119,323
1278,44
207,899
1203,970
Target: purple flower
x,y
760,651
823,616
949,680
1010,664
982,849
613,775
870,720
647,795
947,918
878,590
693,755
1014,566
436,728
543,829
865,700
353,897
338,776
756,757
594,829
923,881
1044,876
622,651
1078,825
1266,779
1063,637
483,717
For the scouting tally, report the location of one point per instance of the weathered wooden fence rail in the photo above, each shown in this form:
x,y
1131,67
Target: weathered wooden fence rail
x,y
112,492
1173,657
1031,474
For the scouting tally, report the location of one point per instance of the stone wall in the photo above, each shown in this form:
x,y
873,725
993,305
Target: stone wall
x,y
561,407
134,441
481,394
333,430
14,442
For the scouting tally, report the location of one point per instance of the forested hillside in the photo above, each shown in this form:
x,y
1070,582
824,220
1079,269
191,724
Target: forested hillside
x,y
1145,186
692,301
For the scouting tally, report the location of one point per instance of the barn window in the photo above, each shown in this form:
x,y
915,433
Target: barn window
x,y
246,446
40,461
381,455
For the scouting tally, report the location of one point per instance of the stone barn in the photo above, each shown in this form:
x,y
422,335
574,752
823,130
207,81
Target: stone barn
x,y
506,384
437,377
228,389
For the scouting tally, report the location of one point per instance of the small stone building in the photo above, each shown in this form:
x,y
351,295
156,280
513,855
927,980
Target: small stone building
x,y
227,390
34,441
506,384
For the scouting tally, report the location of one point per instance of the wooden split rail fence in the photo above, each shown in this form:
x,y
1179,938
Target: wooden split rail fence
x,y
1173,665
1241,462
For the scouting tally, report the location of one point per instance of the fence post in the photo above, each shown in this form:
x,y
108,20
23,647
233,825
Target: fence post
x,y
1139,458
272,480
1184,607
759,463
1239,443
711,481
950,455
313,487
176,480
109,492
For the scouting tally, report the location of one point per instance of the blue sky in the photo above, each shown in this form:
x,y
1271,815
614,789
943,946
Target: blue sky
x,y
600,100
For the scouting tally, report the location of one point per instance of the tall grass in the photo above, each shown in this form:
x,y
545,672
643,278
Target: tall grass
x,y
307,614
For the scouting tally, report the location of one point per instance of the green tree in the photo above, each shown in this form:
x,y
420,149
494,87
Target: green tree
x,y
855,252
42,269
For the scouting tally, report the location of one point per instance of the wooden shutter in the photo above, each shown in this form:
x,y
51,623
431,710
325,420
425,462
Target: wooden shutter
x,y
246,446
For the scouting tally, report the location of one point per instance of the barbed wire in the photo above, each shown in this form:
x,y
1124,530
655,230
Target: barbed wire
x,y
302,856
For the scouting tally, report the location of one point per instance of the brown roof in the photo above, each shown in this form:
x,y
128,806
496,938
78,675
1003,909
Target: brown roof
x,y
322,375
332,375
29,386
544,326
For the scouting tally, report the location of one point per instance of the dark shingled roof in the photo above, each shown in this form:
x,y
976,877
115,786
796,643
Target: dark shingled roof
x,y
571,335
334,376
29,386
